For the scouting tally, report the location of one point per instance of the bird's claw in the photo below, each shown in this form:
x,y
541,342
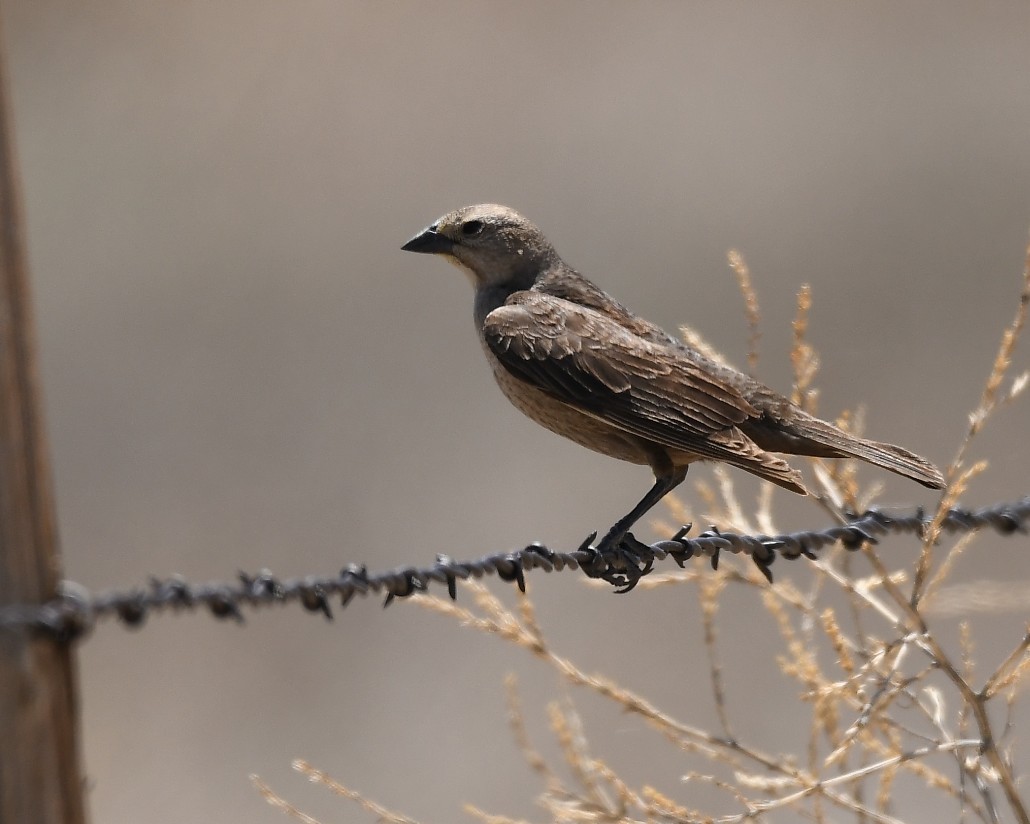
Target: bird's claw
x,y
622,563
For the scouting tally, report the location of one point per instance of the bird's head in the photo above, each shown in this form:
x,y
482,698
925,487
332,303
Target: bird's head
x,y
493,244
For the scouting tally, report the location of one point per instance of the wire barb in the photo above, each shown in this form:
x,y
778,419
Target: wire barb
x,y
75,612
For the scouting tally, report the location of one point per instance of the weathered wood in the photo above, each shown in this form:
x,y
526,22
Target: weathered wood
x,y
40,776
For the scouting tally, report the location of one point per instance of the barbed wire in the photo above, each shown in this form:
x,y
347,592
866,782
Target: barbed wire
x,y
76,612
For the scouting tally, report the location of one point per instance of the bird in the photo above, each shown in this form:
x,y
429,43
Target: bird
x,y
579,363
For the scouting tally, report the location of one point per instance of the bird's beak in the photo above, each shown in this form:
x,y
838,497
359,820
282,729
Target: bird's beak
x,y
429,242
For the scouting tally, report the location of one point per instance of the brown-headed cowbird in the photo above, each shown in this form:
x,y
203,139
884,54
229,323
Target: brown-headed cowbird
x,y
578,362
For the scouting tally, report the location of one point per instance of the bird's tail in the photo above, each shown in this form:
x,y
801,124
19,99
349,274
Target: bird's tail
x,y
839,444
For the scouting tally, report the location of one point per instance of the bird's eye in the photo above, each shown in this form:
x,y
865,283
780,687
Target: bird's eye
x,y
470,228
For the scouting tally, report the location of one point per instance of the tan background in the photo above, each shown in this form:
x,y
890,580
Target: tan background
x,y
242,369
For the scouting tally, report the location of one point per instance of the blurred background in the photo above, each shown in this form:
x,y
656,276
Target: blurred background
x,y
242,370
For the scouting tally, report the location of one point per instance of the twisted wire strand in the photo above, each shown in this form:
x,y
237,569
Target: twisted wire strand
x,y
76,612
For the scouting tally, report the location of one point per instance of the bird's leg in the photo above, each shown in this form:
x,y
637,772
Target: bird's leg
x,y
663,485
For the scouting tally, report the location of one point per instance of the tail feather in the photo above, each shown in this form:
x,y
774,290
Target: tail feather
x,y
894,458
815,437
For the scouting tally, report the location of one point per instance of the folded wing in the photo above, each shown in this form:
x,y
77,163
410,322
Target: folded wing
x,y
590,362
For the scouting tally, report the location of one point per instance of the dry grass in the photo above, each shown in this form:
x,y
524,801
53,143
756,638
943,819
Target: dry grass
x,y
886,699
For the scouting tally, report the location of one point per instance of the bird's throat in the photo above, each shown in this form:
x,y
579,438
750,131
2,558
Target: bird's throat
x,y
465,270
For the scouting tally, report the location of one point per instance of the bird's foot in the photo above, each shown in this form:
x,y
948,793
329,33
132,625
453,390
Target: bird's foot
x,y
621,560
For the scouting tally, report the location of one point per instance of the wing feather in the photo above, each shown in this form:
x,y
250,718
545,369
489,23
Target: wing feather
x,y
587,360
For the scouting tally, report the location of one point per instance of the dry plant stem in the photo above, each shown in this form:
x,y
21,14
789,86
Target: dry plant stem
x,y
801,664
733,516
754,315
725,786
625,795
999,680
280,803
760,808
854,603
381,813
977,702
486,818
944,570
764,518
891,659
988,403
965,775
847,585
842,645
966,647
518,729
666,808
802,356
958,481
709,590
569,732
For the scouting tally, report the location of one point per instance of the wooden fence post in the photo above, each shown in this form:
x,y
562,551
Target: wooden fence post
x,y
40,776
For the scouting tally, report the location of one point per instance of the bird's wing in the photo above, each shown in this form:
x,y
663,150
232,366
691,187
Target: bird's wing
x,y
585,359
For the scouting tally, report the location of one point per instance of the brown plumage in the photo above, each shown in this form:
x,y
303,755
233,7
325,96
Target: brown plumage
x,y
576,361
